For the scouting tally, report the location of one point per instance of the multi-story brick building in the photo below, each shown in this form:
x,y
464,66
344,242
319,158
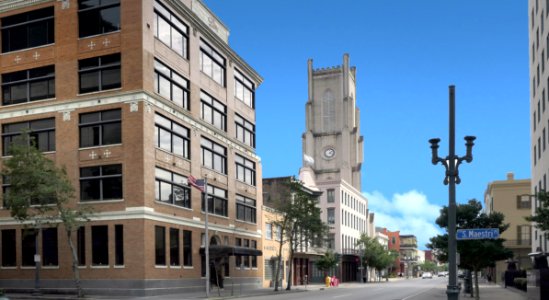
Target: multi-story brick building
x,y
393,244
133,97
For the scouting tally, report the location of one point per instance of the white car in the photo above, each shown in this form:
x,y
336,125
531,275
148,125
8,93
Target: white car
x,y
427,275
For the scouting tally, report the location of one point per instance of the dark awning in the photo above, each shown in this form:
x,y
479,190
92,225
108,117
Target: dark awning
x,y
221,250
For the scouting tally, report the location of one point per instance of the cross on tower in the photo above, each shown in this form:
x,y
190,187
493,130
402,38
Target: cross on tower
x,y
17,59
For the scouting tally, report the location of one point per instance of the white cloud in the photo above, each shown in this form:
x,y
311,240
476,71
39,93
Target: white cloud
x,y
409,213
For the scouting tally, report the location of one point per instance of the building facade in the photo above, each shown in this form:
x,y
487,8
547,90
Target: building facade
x,y
409,255
133,97
332,160
394,245
538,46
512,198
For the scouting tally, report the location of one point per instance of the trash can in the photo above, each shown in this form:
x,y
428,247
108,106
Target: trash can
x,y
328,280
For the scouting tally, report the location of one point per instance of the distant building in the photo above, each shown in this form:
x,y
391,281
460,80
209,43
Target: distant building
x,y
394,245
408,254
271,247
332,161
512,198
539,112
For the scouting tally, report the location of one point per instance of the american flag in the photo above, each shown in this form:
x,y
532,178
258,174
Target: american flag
x,y
197,183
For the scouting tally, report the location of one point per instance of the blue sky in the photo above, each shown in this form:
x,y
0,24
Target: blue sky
x,y
406,54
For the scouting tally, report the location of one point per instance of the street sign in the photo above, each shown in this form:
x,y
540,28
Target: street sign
x,y
477,234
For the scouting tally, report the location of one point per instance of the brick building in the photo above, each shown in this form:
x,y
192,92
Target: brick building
x,y
133,97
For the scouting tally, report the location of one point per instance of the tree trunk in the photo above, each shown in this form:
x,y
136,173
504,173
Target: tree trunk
x,y
278,265
75,270
477,292
290,259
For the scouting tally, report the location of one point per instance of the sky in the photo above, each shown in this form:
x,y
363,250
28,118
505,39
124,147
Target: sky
x,y
406,54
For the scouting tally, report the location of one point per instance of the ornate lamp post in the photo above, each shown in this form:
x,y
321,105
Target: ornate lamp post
x,y
451,163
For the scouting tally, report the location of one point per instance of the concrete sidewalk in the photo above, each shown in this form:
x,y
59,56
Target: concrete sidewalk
x,y
486,292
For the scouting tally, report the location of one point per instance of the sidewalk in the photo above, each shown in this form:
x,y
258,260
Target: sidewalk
x,y
486,292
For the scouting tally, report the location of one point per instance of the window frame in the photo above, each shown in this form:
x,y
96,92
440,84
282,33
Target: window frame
x,y
245,170
162,12
47,22
159,246
159,180
214,59
217,154
97,65
46,75
245,130
100,124
9,137
100,245
246,86
187,248
100,7
213,111
246,206
9,249
174,79
102,178
161,123
218,201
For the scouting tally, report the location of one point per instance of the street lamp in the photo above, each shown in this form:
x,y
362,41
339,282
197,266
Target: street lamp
x,y
451,164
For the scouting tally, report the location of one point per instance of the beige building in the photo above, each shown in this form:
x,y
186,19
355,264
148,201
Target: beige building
x,y
332,161
408,255
133,97
271,248
512,198
538,46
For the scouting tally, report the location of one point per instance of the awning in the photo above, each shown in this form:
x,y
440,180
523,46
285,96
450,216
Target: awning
x,y
222,250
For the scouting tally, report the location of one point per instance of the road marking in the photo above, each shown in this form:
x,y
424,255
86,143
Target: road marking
x,y
412,296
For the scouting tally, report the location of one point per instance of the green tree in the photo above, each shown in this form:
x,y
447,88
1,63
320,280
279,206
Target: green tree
x,y
300,223
474,254
541,218
374,254
429,266
327,262
40,193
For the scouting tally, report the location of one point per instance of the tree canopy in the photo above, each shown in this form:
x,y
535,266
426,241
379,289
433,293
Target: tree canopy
x,y
374,254
541,218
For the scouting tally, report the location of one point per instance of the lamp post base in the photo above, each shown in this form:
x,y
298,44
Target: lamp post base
x,y
453,292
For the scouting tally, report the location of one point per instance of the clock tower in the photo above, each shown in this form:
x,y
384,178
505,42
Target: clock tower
x,y
332,144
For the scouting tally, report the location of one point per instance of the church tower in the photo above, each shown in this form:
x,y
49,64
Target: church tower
x,y
332,137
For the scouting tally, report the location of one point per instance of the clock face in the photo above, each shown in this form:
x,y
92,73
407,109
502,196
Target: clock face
x,y
329,152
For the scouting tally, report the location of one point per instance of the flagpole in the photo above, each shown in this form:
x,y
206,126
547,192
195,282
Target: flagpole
x,y
207,242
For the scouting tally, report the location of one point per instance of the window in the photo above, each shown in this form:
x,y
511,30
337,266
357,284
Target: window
x,y
217,201
213,111
172,188
101,183
119,245
187,248
49,247
28,247
245,170
81,245
238,258
100,245
245,259
99,73
269,231
175,254
253,245
243,89
100,128
330,194
331,241
524,201
28,85
41,132
8,248
159,246
172,136
331,215
524,234
245,209
245,131
278,232
170,30
170,85
212,63
214,156
98,17
30,29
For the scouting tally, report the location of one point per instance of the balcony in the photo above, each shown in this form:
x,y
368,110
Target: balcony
x,y
412,246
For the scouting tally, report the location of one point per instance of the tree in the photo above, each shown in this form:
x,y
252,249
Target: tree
x,y
474,254
374,254
40,193
299,222
541,218
429,266
327,262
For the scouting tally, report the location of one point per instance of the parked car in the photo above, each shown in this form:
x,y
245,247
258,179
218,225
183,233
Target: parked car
x,y
428,275
442,274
